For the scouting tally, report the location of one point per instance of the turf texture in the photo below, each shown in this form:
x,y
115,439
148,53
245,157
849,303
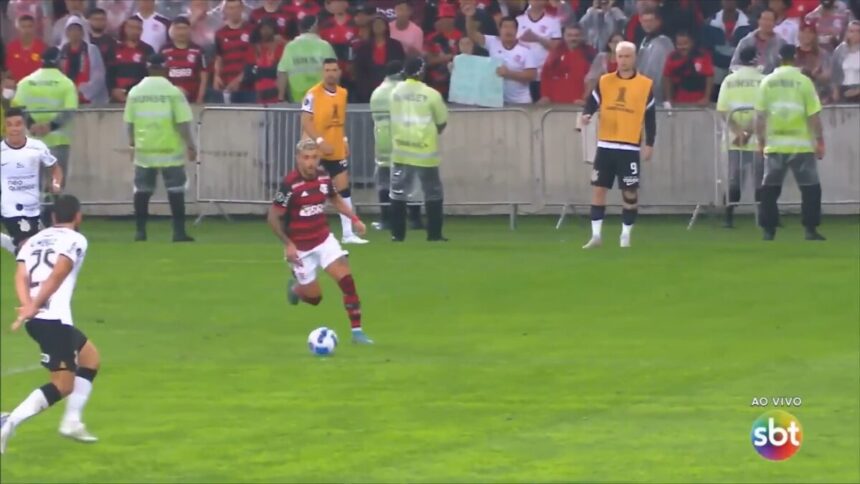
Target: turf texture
x,y
501,357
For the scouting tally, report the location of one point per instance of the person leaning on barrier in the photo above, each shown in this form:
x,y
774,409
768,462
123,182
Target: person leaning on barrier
x,y
739,91
418,116
380,108
158,119
787,119
49,90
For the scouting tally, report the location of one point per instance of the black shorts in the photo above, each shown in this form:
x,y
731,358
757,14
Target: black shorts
x,y
59,343
174,179
335,168
21,228
404,179
610,164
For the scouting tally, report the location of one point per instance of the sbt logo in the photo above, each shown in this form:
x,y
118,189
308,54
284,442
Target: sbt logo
x,y
777,435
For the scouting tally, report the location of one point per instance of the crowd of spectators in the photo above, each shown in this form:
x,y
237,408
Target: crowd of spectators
x,y
553,50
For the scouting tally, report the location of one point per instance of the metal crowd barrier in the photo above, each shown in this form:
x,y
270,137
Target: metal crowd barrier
x,y
245,151
839,170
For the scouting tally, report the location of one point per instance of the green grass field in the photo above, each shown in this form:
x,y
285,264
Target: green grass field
x,y
501,356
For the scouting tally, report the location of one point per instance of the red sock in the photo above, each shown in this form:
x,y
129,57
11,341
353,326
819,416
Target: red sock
x,y
350,301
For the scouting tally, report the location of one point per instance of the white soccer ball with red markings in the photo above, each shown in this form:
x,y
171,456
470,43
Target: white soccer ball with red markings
x,y
322,341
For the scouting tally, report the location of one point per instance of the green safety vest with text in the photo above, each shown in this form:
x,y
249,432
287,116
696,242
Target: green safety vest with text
x,y
48,89
738,91
154,107
416,111
380,102
302,61
788,98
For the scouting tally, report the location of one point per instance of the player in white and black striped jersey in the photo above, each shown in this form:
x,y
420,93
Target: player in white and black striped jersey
x,y
21,162
48,267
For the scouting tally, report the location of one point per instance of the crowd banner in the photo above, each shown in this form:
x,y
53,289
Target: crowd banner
x,y
474,82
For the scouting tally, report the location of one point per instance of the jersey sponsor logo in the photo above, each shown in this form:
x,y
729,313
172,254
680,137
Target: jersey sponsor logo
x,y
324,189
180,72
244,37
24,225
312,210
191,57
630,180
21,184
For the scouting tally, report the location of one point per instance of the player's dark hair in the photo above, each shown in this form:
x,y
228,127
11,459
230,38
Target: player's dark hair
x,y
393,68
509,18
787,53
307,23
329,60
26,18
66,207
747,55
96,11
13,112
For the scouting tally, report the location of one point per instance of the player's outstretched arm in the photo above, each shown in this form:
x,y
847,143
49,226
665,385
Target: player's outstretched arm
x,y
56,177
275,219
62,268
344,209
22,284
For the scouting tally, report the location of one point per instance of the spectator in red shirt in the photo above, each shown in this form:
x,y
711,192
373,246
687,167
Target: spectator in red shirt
x,y
268,49
563,74
185,62
232,52
814,61
603,63
831,22
274,10
634,32
129,66
299,9
24,54
689,73
99,36
372,57
441,46
81,62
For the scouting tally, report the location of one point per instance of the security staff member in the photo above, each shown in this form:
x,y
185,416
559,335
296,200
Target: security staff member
x,y
158,119
789,134
418,116
739,91
626,101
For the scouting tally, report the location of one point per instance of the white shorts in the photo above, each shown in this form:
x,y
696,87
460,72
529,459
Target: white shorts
x,y
319,257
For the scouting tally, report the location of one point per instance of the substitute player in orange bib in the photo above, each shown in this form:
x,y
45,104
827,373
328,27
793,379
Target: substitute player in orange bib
x,y
626,101
323,120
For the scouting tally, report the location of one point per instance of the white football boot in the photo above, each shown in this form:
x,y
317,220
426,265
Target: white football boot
x,y
594,243
77,431
354,239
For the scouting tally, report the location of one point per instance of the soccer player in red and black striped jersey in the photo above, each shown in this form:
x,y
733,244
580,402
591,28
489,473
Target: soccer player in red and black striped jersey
x,y
273,9
129,65
233,52
268,50
186,63
297,217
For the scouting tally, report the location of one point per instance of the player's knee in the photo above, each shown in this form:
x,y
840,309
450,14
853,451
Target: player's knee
x,y
630,197
346,192
64,382
88,357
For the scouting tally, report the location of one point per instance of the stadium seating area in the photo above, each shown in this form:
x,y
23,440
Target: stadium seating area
x,y
708,32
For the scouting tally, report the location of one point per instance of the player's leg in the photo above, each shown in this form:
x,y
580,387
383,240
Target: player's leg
x,y
383,187
58,356
775,168
431,185
805,169
303,285
333,260
602,179
6,243
340,180
629,173
175,181
144,185
735,184
402,181
89,361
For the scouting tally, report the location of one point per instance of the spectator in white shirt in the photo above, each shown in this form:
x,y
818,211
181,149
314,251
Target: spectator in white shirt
x,y
404,29
519,65
787,28
117,11
540,32
155,25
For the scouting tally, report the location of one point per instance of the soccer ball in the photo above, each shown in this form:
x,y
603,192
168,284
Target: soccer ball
x,y
322,341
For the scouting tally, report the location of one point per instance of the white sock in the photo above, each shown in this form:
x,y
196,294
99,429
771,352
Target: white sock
x,y
345,222
626,229
33,404
76,402
596,226
6,243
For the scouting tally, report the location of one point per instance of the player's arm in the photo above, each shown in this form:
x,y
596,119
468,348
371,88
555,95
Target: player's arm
x,y
344,209
592,104
650,121
62,268
217,81
22,284
440,112
284,66
276,223
204,81
472,30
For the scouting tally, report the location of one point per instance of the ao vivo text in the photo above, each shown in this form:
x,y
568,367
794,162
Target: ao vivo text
x,y
776,402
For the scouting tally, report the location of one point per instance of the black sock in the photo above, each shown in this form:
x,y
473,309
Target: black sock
x,y
628,215
177,210
141,209
768,211
398,220
385,210
598,212
434,219
810,206
415,214
86,373
52,394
